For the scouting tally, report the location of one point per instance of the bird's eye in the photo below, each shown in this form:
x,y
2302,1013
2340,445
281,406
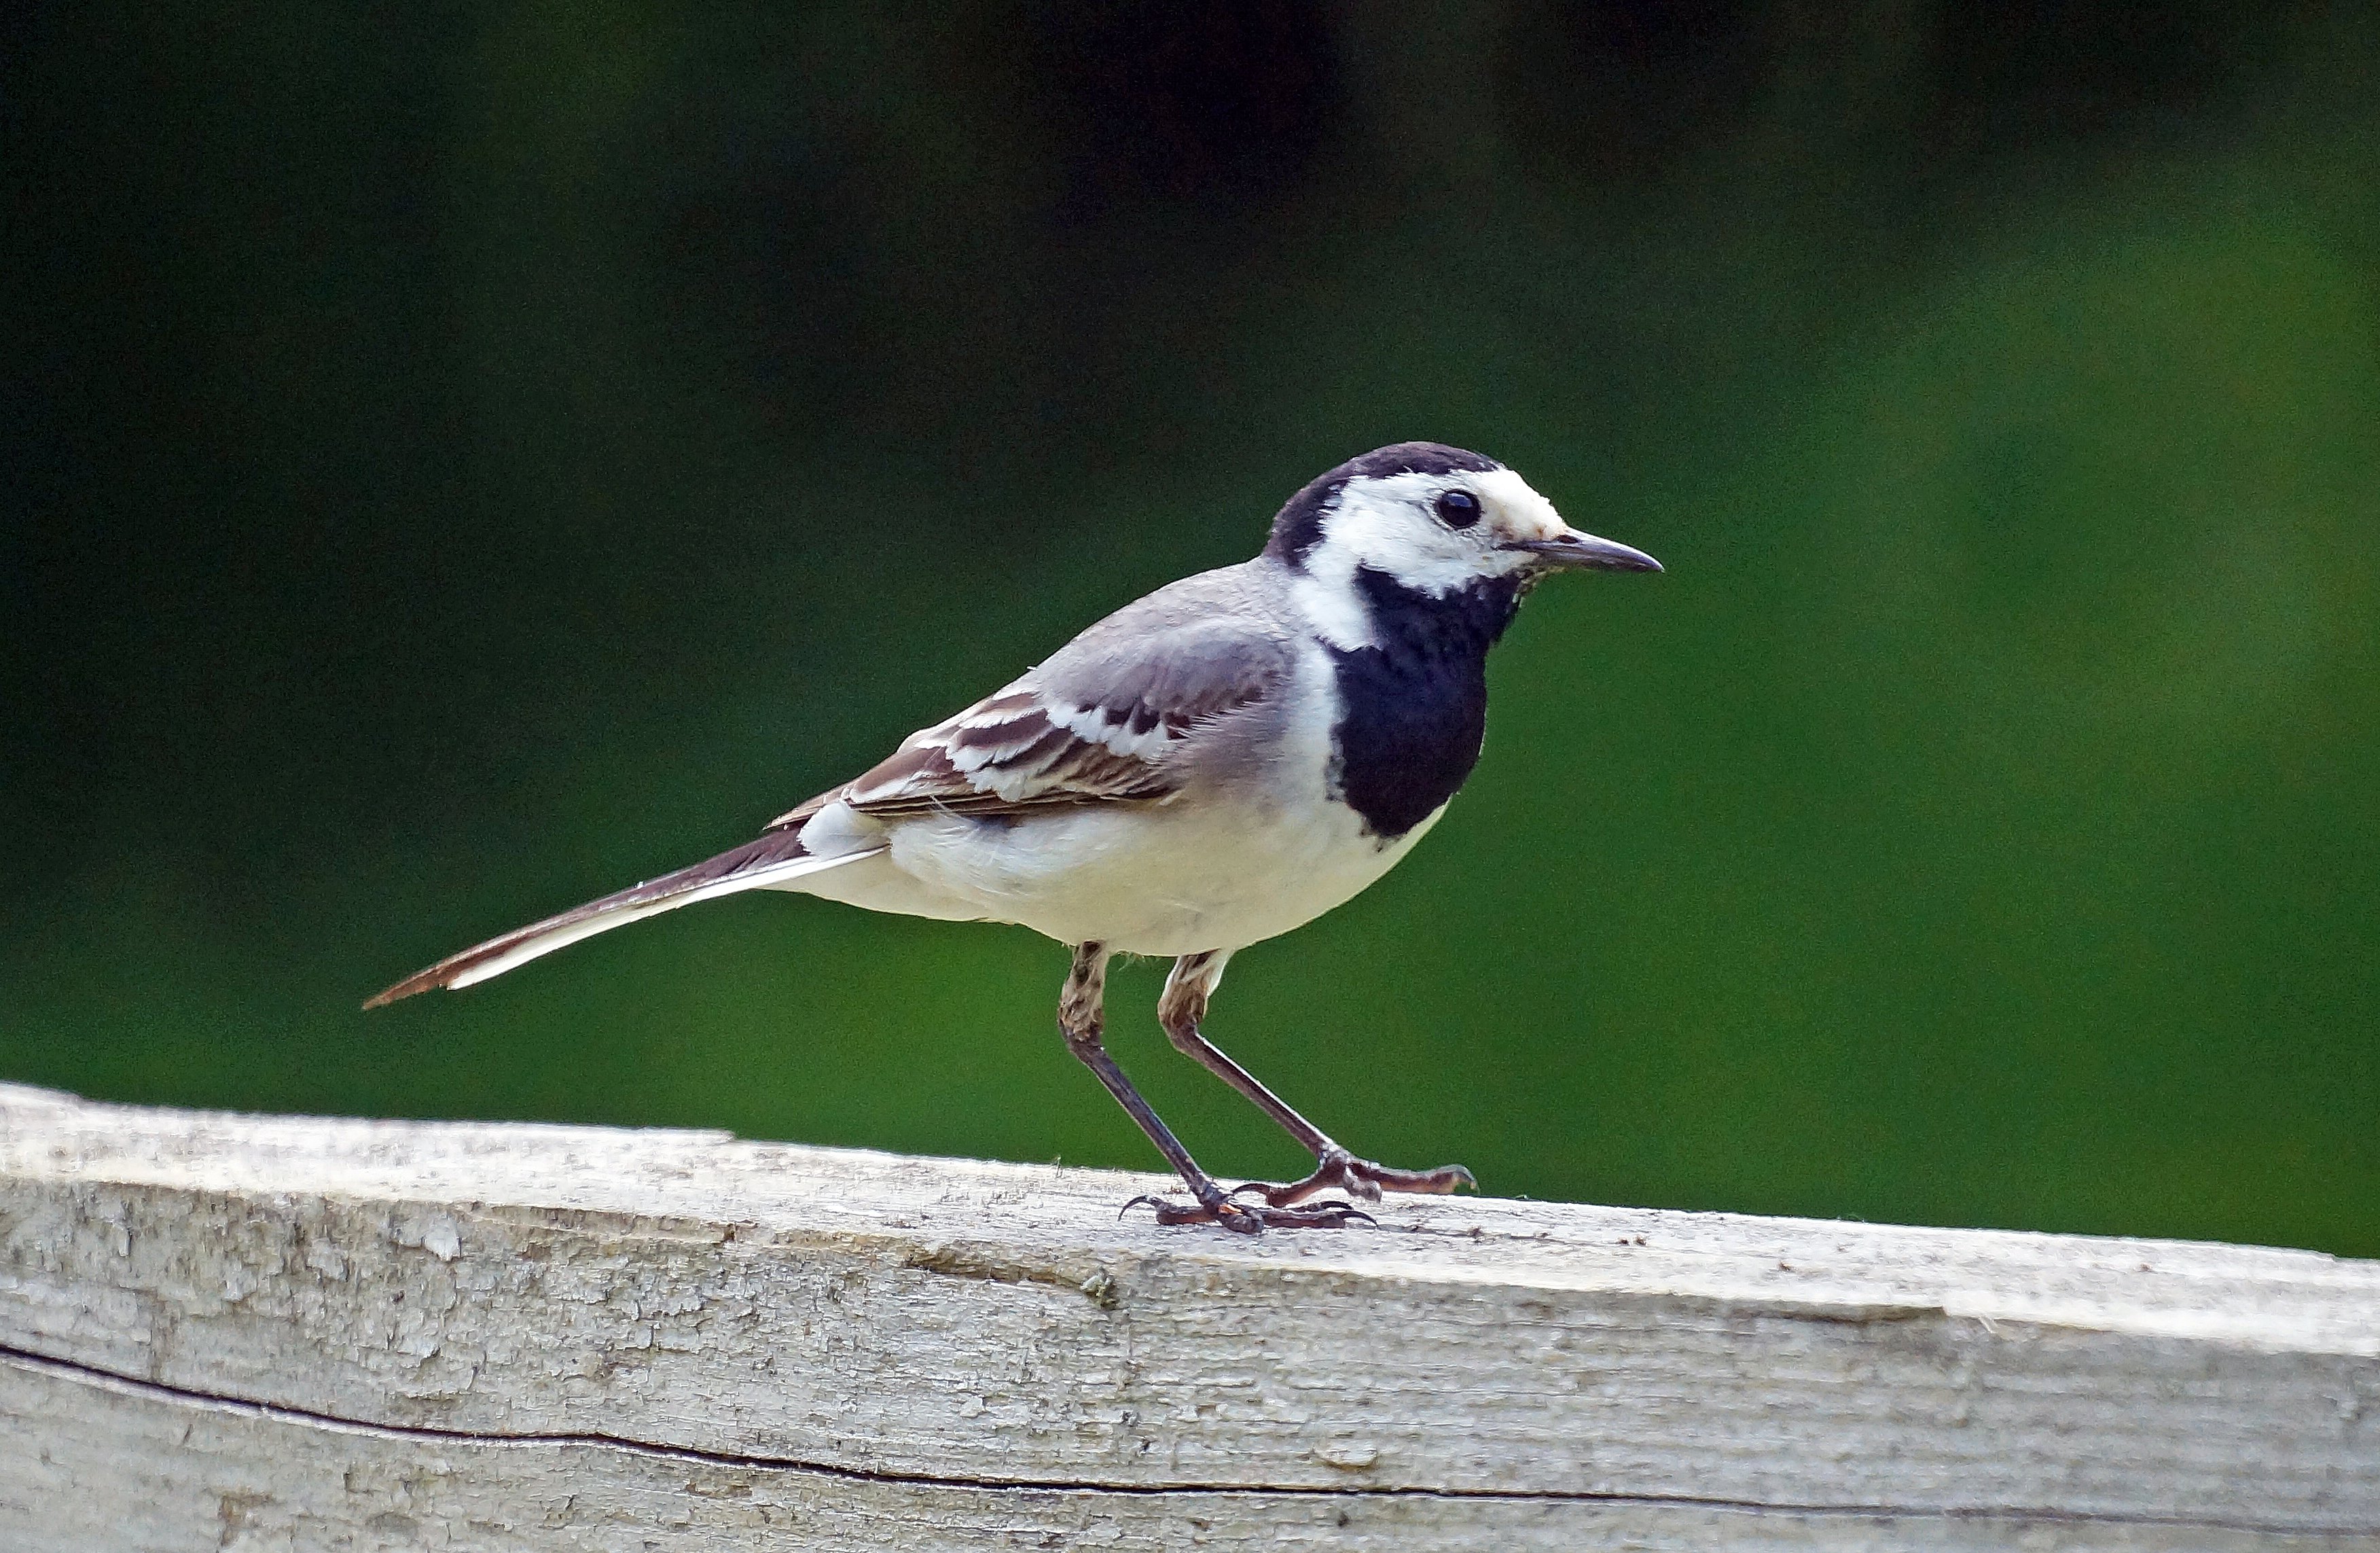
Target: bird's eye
x,y
1458,509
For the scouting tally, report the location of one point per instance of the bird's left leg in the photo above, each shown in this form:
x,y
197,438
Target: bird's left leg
x,y
1181,1008
1080,1021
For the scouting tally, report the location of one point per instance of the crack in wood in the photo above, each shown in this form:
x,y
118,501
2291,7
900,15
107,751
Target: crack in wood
x,y
132,1385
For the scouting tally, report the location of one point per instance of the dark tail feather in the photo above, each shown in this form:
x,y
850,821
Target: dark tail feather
x,y
774,858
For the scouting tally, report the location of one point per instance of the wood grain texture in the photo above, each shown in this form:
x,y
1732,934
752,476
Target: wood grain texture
x,y
292,1332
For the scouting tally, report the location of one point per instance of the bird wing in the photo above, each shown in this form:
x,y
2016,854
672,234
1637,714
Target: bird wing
x,y
1114,718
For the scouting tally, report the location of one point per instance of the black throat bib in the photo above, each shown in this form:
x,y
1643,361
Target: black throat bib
x,y
1413,705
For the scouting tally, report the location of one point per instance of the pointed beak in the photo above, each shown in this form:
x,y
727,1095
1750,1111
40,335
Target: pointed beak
x,y
1573,551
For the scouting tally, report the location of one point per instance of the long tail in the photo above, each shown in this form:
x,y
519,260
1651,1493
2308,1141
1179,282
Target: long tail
x,y
773,859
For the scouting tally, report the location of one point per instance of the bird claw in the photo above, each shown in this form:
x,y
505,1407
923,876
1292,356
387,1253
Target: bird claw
x,y
1361,1177
1248,1221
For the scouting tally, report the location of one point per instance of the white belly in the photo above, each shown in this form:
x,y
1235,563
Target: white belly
x,y
1143,879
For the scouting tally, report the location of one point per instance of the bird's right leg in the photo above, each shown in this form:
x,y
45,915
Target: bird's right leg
x,y
1080,1018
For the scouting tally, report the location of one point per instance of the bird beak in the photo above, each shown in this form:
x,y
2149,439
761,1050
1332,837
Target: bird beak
x,y
1573,551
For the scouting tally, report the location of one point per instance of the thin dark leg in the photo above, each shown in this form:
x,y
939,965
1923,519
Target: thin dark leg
x,y
1080,1009
1181,1009
1080,1020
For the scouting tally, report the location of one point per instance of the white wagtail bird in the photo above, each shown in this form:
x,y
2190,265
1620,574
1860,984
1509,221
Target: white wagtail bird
x,y
1222,761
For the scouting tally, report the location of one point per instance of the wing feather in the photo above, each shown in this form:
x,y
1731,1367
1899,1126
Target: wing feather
x,y
1110,720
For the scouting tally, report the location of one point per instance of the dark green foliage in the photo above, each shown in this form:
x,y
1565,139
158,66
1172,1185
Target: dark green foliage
x,y
464,460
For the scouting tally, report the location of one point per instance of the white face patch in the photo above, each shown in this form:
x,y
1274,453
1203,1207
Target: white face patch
x,y
1390,524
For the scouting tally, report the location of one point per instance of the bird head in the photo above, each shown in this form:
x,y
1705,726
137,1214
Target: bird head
x,y
1434,520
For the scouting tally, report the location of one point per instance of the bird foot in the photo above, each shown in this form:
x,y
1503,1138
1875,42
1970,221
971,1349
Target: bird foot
x,y
1362,1178
1244,1219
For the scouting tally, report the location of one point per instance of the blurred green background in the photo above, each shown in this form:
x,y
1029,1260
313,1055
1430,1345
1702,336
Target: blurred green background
x,y
461,459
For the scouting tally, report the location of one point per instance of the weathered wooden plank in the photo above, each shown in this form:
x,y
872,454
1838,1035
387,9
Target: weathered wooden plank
x,y
142,1470
854,1337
